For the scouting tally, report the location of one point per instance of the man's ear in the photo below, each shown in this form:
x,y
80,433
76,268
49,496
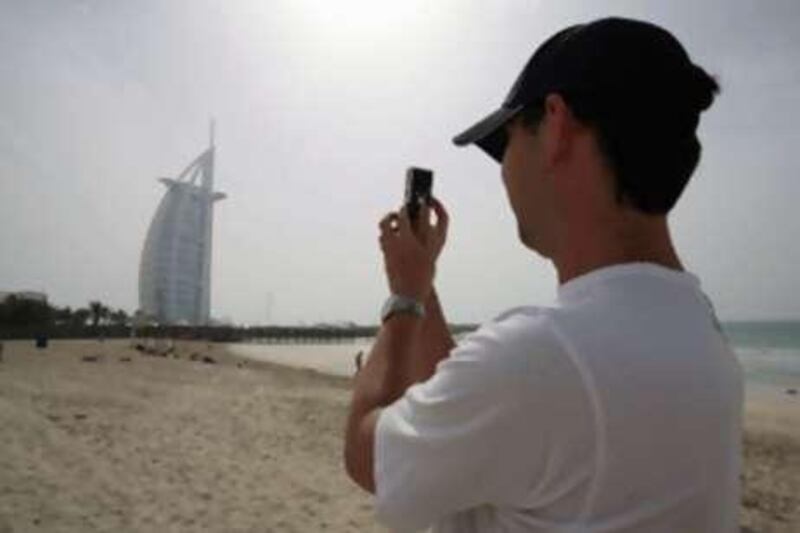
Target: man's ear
x,y
558,125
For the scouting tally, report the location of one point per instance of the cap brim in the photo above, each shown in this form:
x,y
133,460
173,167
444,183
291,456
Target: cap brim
x,y
489,134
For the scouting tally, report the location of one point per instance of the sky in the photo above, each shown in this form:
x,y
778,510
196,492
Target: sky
x,y
320,107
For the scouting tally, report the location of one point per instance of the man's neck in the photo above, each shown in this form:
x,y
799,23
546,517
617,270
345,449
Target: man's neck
x,y
631,238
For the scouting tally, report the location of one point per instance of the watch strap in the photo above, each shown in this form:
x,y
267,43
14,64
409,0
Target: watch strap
x,y
397,303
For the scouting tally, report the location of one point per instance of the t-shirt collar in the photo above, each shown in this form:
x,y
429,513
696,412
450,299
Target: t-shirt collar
x,y
573,289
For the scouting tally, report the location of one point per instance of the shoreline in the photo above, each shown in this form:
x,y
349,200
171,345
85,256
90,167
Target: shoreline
x,y
331,359
767,406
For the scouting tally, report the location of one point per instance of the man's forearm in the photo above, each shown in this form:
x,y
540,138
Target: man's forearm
x,y
434,343
406,351
382,380
386,374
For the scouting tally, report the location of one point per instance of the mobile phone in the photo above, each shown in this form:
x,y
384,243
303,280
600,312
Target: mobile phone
x,y
419,182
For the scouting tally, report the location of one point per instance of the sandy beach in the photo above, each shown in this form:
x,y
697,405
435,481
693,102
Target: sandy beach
x,y
170,444
124,441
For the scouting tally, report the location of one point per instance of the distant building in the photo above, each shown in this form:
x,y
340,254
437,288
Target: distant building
x,y
24,295
175,267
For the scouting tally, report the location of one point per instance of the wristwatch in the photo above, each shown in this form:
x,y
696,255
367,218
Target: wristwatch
x,y
401,304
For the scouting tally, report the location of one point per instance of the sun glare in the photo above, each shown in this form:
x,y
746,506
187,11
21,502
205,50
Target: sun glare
x,y
361,24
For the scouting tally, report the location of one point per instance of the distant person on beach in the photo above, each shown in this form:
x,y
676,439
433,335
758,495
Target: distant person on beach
x,y
616,409
359,360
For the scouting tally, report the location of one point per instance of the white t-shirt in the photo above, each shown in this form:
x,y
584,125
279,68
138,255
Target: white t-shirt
x,y
618,409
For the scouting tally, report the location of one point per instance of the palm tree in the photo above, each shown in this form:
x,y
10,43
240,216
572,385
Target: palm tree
x,y
98,311
62,315
105,314
119,317
80,316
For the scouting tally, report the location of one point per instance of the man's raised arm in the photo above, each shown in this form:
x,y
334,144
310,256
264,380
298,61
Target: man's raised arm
x,y
408,347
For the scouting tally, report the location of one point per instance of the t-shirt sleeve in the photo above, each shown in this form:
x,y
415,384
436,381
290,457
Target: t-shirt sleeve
x,y
473,434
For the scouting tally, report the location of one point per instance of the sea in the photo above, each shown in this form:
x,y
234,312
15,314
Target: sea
x,y
769,352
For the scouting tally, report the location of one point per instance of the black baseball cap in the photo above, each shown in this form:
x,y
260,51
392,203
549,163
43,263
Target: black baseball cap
x,y
610,61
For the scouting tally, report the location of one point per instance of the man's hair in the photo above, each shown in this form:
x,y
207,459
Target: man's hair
x,y
649,141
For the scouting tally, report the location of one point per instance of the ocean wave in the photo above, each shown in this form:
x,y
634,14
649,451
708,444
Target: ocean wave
x,y
773,365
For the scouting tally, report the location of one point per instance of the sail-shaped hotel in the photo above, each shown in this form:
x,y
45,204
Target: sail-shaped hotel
x,y
175,268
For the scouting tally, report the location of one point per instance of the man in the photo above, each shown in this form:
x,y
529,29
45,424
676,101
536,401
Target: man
x,y
618,409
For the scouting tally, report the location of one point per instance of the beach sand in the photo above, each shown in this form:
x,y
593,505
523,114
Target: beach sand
x,y
165,444
132,442
771,488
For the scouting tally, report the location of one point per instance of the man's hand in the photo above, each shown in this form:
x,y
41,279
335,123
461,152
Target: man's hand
x,y
410,250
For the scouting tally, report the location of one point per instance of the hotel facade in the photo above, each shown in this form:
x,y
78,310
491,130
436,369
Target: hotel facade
x,y
175,267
